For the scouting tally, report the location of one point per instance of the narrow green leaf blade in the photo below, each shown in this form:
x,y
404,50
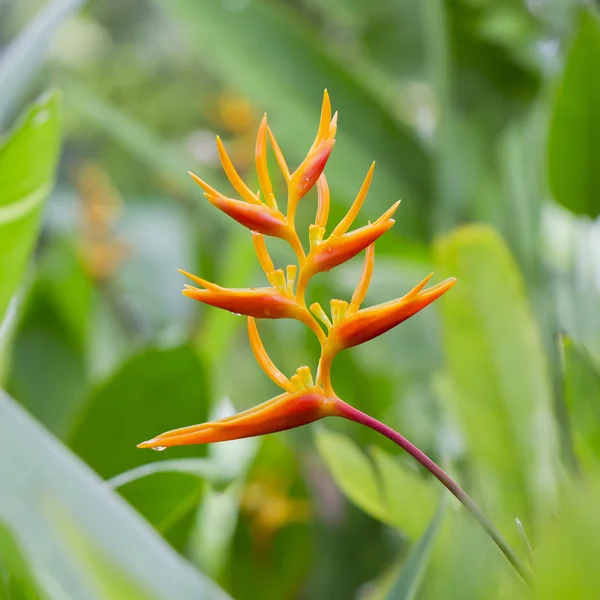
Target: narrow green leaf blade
x,y
582,396
17,581
410,580
24,55
39,474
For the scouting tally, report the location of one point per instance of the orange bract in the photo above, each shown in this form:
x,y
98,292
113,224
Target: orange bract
x,y
303,400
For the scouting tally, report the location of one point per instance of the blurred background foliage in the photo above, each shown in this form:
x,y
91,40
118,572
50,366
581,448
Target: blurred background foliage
x,y
483,118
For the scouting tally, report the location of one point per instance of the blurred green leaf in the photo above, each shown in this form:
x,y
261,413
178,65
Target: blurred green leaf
x,y
266,52
380,485
502,395
48,375
28,157
23,56
154,391
17,581
566,562
218,511
136,137
107,578
41,474
574,142
407,586
582,396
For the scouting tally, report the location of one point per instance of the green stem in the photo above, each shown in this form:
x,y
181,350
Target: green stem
x,y
353,414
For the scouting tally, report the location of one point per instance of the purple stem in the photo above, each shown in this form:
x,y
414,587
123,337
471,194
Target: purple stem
x,y
353,414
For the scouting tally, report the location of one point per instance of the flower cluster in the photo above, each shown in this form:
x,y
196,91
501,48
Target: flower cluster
x,y
304,399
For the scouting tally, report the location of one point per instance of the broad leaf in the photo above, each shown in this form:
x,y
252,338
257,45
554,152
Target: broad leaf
x,y
501,395
155,391
574,143
28,157
382,486
582,396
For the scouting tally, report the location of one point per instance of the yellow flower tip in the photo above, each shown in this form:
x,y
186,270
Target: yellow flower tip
x,y
353,211
203,282
388,213
283,412
324,200
419,286
260,247
207,188
236,181
281,162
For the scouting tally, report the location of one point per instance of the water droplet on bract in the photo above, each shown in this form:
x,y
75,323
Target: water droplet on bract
x,y
159,448
329,250
267,312
236,314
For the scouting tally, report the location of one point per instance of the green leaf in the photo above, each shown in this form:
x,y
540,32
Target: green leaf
x,y
501,392
49,372
410,580
17,581
28,157
267,53
38,474
218,512
566,564
574,142
582,396
24,55
382,487
155,391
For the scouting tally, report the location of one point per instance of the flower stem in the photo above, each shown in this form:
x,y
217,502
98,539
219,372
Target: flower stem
x,y
353,414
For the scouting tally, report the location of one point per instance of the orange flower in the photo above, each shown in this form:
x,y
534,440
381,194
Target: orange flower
x,y
303,400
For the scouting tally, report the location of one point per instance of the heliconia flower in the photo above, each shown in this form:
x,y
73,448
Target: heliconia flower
x,y
283,412
309,171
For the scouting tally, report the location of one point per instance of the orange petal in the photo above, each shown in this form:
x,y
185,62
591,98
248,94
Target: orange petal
x,y
369,323
278,414
263,359
236,181
263,302
305,177
256,217
261,164
352,213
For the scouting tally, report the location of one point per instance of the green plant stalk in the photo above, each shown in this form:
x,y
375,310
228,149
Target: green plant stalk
x,y
353,414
